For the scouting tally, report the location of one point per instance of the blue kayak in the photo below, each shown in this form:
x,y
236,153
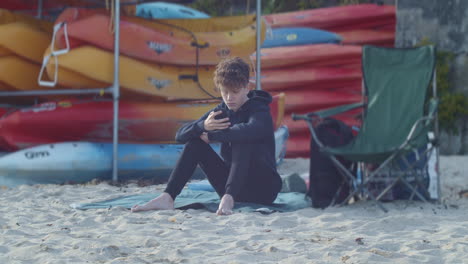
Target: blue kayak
x,y
163,10
80,162
279,37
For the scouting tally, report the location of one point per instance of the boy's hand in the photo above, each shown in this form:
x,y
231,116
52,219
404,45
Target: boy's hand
x,y
216,124
204,137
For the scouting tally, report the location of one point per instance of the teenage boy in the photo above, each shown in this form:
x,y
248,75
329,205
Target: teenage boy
x,y
243,124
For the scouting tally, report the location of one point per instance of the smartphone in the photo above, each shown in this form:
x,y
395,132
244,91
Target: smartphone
x,y
222,115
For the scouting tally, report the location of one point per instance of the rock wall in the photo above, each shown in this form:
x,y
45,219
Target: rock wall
x,y
446,24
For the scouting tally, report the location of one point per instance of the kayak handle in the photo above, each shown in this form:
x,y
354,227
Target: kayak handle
x,y
190,77
45,61
57,27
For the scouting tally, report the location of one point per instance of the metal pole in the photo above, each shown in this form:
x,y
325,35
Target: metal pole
x,y
116,92
259,33
436,128
57,91
40,4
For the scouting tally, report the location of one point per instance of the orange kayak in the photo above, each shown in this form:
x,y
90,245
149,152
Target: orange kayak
x,y
171,41
317,54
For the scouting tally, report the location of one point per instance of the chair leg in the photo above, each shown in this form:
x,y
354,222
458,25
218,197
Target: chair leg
x,y
350,175
401,178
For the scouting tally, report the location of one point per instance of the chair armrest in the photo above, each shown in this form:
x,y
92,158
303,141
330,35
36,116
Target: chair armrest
x,y
433,106
327,112
425,120
309,118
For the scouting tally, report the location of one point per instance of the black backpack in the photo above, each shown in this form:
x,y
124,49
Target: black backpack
x,y
324,178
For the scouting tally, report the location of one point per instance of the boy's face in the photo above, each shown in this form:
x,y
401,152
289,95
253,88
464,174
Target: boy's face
x,y
234,99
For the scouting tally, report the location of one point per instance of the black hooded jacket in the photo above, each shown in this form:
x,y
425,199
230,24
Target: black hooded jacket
x,y
252,124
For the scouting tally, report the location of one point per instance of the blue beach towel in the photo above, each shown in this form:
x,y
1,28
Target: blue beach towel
x,y
192,199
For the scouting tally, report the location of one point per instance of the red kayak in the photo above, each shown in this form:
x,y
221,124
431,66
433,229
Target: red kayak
x,y
301,128
315,99
313,77
369,37
78,120
316,55
298,144
73,120
363,16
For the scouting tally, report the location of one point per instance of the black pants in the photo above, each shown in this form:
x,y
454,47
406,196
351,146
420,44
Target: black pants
x,y
244,185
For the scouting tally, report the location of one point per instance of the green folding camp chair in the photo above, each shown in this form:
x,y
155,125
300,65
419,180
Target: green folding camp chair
x,y
397,116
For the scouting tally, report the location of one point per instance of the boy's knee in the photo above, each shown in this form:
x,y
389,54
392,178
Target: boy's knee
x,y
195,143
244,146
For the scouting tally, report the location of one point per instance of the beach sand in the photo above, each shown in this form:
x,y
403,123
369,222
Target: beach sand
x,y
37,225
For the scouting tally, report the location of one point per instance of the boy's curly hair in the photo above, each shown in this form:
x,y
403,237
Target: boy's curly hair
x,y
232,74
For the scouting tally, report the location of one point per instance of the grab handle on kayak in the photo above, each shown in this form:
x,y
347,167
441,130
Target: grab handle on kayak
x,y
200,46
190,77
57,27
44,65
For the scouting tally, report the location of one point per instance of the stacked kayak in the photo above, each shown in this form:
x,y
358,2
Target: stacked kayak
x,y
160,58
166,72
322,74
83,161
170,41
313,77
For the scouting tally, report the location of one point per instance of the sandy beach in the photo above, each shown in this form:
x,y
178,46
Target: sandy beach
x,y
37,225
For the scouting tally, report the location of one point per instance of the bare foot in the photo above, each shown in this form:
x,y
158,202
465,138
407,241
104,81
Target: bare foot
x,y
162,202
226,205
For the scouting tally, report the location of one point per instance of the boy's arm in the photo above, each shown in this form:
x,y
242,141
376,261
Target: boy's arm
x,y
256,128
192,129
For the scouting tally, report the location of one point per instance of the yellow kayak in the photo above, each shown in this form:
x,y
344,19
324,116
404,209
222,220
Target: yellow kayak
x,y
7,17
88,65
24,40
18,74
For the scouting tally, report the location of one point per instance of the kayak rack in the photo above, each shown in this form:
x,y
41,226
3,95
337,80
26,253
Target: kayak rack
x,y
114,89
